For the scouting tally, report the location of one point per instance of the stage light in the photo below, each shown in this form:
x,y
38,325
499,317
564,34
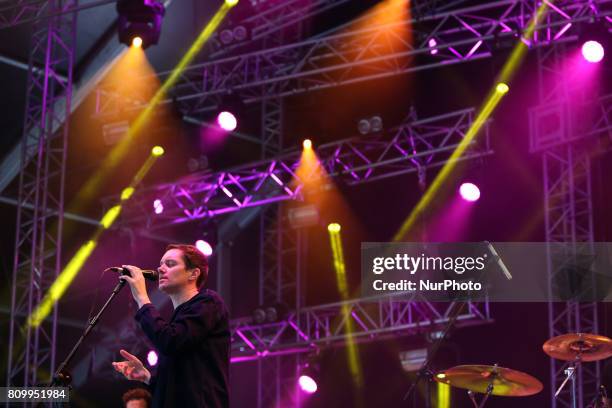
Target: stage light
x,y
502,88
259,315
152,358
307,384
370,125
592,51
231,3
333,227
227,121
137,42
204,247
432,46
157,151
307,143
158,206
441,376
139,22
469,192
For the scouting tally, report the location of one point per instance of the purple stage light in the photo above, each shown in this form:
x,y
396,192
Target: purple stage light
x,y
152,358
469,192
307,384
158,207
227,121
432,46
204,247
592,51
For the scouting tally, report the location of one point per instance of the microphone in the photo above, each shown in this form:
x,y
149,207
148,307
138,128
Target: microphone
x,y
498,260
147,273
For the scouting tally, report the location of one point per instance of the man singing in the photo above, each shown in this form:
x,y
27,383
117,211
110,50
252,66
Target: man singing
x,y
194,345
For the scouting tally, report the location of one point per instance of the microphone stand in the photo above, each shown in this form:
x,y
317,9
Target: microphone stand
x,y
62,377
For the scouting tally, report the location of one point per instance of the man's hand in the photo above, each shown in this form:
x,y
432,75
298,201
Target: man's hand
x,y
132,368
137,285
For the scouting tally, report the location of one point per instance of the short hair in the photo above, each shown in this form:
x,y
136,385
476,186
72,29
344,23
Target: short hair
x,y
193,258
137,394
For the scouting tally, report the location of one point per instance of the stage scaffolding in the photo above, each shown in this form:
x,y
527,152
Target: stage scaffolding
x,y
40,204
276,69
566,130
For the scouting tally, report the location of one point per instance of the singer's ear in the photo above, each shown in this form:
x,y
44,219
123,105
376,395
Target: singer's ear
x,y
194,275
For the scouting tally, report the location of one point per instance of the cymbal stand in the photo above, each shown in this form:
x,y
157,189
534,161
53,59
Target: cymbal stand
x,y
570,373
487,394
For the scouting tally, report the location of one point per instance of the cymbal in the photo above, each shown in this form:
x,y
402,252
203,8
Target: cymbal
x,y
579,346
506,382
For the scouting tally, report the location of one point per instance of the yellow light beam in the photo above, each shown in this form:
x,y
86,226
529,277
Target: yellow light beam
x,y
495,96
62,283
352,353
443,395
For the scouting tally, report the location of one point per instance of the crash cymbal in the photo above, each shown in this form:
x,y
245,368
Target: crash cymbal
x,y
506,382
579,346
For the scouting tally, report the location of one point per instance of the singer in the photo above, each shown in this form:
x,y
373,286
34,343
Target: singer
x,y
193,346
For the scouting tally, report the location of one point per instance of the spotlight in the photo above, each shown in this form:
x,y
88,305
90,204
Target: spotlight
x,y
307,384
231,3
333,227
502,88
370,125
237,35
139,19
307,143
158,206
137,42
270,313
227,121
592,51
309,374
469,192
363,126
432,46
157,151
152,358
226,36
259,316
204,247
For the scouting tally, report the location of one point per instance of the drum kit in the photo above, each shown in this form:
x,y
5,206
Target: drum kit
x,y
487,380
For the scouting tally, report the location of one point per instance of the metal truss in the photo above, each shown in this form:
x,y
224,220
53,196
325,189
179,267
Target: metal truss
x,y
28,11
326,325
411,147
281,251
559,132
37,258
277,381
369,52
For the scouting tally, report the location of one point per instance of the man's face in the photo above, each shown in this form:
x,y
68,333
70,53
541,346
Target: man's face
x,y
173,274
136,403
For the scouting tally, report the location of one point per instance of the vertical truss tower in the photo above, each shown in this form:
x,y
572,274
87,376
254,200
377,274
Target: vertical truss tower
x,y
37,260
559,136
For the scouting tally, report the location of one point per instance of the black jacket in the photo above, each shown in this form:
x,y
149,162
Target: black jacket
x,y
194,352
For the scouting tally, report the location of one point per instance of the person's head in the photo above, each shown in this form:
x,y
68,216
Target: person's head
x,y
137,398
181,267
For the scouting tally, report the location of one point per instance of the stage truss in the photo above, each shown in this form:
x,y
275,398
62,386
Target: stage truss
x,y
567,129
38,238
